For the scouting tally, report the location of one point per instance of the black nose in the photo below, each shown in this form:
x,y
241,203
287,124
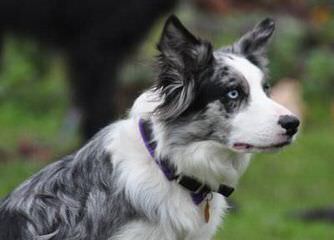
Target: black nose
x,y
289,123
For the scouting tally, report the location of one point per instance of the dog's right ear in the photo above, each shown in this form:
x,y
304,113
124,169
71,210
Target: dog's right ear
x,y
182,56
254,43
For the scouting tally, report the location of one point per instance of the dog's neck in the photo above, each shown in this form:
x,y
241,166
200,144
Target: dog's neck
x,y
207,160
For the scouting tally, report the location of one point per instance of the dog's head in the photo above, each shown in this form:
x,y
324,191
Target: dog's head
x,y
223,95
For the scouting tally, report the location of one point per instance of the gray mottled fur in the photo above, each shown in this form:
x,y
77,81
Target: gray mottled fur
x,y
74,198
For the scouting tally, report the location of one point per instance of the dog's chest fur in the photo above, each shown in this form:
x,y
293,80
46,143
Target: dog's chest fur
x,y
168,208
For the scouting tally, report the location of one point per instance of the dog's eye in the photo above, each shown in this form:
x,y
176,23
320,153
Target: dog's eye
x,y
233,94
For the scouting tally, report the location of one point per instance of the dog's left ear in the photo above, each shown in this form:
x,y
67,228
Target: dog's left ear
x,y
183,58
254,43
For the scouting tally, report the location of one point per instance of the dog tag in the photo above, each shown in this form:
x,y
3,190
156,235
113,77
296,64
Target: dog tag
x,y
207,211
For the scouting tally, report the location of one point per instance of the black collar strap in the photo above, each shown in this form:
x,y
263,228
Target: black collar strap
x,y
198,190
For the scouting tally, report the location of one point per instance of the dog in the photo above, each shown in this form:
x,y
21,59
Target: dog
x,y
164,172
92,41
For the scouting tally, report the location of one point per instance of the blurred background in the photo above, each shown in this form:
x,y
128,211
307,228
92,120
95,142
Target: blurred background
x,y
286,195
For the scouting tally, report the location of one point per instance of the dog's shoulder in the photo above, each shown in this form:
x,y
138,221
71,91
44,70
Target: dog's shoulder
x,y
79,189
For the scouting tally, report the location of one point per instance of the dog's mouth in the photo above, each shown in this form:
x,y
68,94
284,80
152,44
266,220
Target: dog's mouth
x,y
250,147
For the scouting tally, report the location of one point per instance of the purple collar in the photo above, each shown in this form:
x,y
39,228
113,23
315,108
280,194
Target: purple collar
x,y
198,190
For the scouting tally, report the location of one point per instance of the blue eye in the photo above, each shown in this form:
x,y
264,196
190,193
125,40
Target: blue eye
x,y
233,94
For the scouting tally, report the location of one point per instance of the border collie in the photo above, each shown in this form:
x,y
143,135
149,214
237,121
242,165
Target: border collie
x,y
165,171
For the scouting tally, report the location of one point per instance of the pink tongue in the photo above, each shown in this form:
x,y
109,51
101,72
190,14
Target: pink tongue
x,y
242,145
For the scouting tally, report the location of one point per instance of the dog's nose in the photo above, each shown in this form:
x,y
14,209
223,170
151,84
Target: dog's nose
x,y
289,123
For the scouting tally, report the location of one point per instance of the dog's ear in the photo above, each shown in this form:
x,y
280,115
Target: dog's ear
x,y
254,43
182,59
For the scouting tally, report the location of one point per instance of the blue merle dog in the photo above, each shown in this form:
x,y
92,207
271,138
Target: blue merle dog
x,y
166,170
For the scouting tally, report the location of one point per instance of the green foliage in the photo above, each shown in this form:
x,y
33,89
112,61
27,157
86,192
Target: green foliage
x,y
33,97
30,79
285,53
326,32
319,73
